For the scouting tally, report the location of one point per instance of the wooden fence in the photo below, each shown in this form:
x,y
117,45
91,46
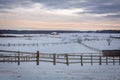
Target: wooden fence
x,y
34,44
19,57
92,48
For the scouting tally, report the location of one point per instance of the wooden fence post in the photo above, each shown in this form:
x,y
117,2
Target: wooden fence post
x,y
113,60
8,60
11,58
81,60
15,58
18,58
119,60
3,59
37,57
91,60
54,59
106,60
67,62
100,62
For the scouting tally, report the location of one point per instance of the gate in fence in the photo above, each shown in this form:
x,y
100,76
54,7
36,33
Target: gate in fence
x,y
19,57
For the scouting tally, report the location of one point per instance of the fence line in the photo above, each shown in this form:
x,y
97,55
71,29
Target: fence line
x,y
57,43
34,44
92,48
57,58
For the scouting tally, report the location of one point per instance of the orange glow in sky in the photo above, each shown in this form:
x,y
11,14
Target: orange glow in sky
x,y
21,24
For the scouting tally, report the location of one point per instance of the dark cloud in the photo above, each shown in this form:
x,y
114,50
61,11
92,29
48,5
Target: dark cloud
x,y
10,4
48,3
5,4
113,16
101,9
54,4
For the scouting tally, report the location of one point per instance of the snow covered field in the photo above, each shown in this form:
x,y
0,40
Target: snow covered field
x,y
62,43
46,71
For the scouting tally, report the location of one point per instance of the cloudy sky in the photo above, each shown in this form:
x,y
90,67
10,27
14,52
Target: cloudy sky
x,y
60,14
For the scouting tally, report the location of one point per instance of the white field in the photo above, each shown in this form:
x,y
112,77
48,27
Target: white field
x,y
55,44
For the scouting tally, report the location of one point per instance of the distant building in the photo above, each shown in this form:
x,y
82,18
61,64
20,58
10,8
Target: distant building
x,y
54,33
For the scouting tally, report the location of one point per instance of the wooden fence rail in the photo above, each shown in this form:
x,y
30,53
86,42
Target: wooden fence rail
x,y
67,59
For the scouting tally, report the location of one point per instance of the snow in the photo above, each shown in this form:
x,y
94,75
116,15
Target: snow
x,y
60,48
103,45
46,71
56,44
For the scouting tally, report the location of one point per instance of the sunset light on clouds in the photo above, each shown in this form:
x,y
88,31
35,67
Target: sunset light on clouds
x,y
60,14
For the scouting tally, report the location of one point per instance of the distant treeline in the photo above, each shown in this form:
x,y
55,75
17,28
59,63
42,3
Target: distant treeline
x,y
50,31
35,31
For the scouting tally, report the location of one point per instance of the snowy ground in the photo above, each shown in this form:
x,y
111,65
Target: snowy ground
x,y
46,71
56,43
